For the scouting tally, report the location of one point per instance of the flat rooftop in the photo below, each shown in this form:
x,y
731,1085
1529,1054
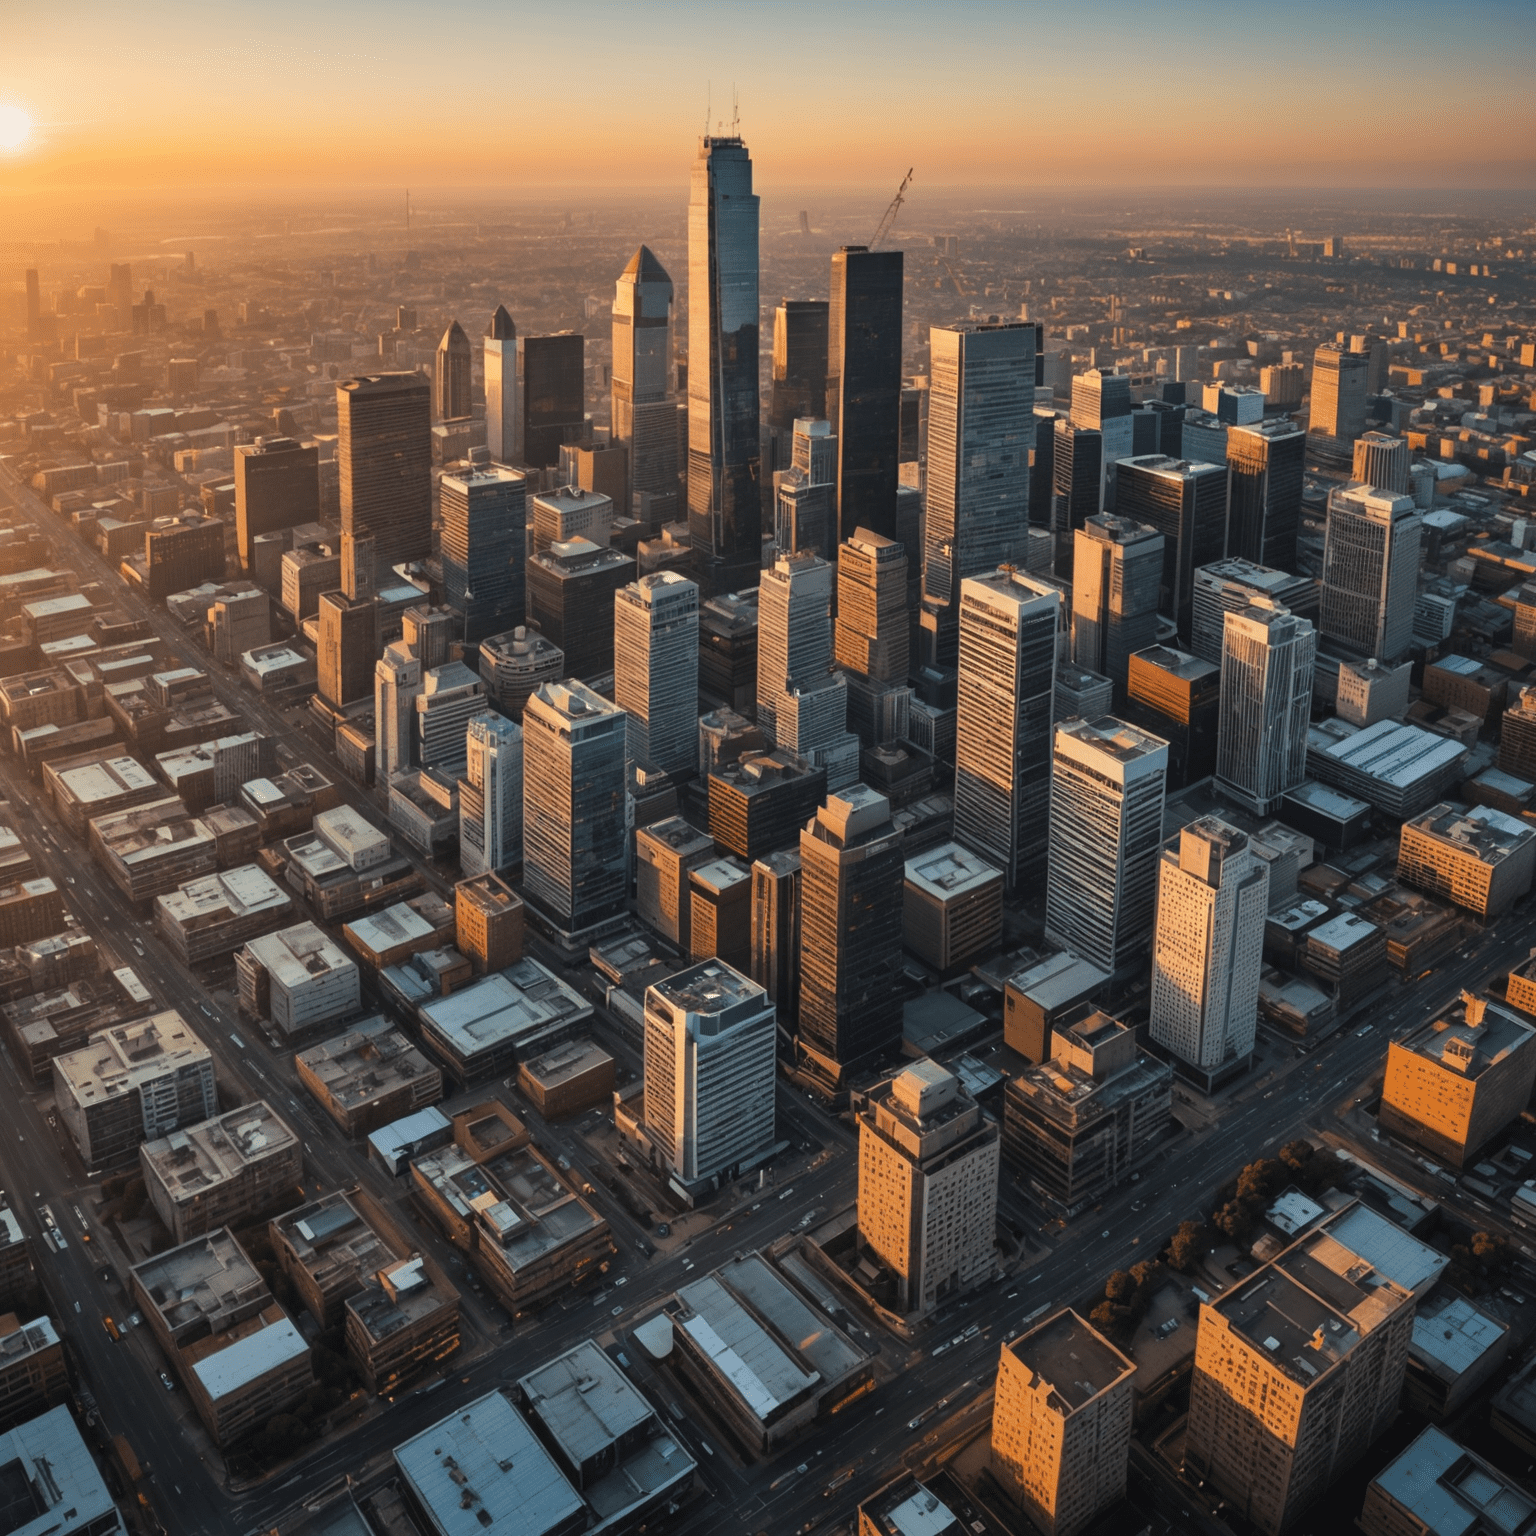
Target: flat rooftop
x,y
950,871
1469,1049
520,1004
193,1161
72,1498
298,955
203,1287
1113,738
759,1369
370,1060
566,1061
119,1059
1071,1358
712,989
1453,1492
1489,835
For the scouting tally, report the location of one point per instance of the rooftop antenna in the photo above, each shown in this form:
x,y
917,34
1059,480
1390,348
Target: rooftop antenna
x,y
735,115
708,105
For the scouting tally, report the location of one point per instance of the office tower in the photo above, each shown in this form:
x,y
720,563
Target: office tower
x,y
1233,404
1381,462
851,872
928,1163
1298,1369
570,513
484,513
1117,571
799,388
1077,469
720,911
182,552
451,371
1008,626
1266,704
1370,572
551,378
1337,414
359,567
656,670
805,492
430,632
502,417
864,386
1176,696
1187,504
1170,425
491,795
1101,402
794,631
571,593
451,696
776,930
1265,462
1228,586
870,638
1061,1423
728,627
384,455
724,480
1106,831
277,485
348,648
1283,384
574,842
981,427
514,664
396,682
1212,900
644,411
120,290
34,303
710,1073
1042,470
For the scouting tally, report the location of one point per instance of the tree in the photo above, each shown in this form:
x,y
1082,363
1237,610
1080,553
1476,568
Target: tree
x,y
1119,1287
1187,1246
1235,1219
1146,1274
1259,1182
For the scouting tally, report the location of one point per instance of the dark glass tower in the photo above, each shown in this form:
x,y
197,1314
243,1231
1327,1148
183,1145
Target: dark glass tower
x,y
551,375
864,386
277,485
484,515
1266,459
1077,470
384,455
799,372
1187,504
724,456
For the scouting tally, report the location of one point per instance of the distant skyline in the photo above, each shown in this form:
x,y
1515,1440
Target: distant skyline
x,y
519,97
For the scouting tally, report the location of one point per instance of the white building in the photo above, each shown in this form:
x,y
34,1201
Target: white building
x,y
491,795
1266,704
1370,571
303,976
1212,899
503,419
656,668
450,697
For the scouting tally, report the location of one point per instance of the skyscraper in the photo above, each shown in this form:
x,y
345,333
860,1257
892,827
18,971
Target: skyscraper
x,y
1212,899
491,795
1370,571
851,874
396,682
348,647
1266,704
1187,504
805,493
484,516
34,303
551,380
656,670
1101,402
1008,627
724,479
451,696
1381,462
384,455
710,1072
794,630
574,863
1077,475
277,485
502,417
1265,462
1117,571
870,638
799,390
864,386
776,930
981,427
928,1165
1337,413
451,372
1108,781
644,412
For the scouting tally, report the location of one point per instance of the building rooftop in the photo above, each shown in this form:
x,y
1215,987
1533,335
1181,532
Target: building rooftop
x,y
1450,1336
1469,1037
949,871
1389,1250
1109,737
907,1508
249,1357
303,953
119,1059
760,1369
1449,1491
369,1061
1489,835
238,892
566,1061
523,1003
482,1472
1071,1359
106,778
402,1134
1397,754
50,1484
1059,980
191,1162
712,994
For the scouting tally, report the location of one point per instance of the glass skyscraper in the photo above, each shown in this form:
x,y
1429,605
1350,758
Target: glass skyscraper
x,y
799,372
484,514
724,470
644,412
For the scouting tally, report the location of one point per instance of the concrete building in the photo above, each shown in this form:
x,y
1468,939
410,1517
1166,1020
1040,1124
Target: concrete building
x,y
720,911
574,854
1265,469
758,803
1207,952
1117,571
239,1356
407,928
488,923
1338,409
567,1080
1297,1370
1107,789
1186,503
152,848
72,1499
484,517
133,1083
1177,696
776,931
1370,572
515,663
1399,769
907,1508
1482,859
96,785
1437,1487
1061,1423
1267,661
396,684
369,1076
222,1173
1036,998
1079,1123
1231,585
665,853
952,907
928,1166
1008,625
491,795
215,915
709,1074
656,670
33,1372
1456,1081
1455,1350
384,451
571,593
298,978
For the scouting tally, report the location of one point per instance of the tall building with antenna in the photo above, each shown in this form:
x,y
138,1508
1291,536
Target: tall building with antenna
x,y
644,412
724,470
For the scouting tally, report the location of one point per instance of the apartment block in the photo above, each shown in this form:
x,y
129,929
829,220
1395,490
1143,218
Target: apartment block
x,y
488,923
1482,859
369,1076
214,915
299,978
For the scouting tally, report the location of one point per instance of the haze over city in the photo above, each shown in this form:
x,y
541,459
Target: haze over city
x,y
767,769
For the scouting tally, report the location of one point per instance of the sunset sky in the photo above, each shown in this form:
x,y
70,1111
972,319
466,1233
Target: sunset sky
x,y
518,96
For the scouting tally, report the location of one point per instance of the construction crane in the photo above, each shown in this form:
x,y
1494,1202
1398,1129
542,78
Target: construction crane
x,y
891,212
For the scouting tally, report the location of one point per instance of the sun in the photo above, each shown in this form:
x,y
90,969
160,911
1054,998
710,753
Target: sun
x,y
15,127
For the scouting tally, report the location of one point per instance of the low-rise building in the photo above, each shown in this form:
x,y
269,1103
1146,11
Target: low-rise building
x,y
952,907
152,848
215,915
1038,997
131,1084
1348,955
487,1028
1454,1350
407,928
72,1499
570,1078
32,909
394,1145
1481,859
1437,1487
48,1024
223,1173
369,1076
33,1373
237,1352
488,922
907,1508
298,978
16,1281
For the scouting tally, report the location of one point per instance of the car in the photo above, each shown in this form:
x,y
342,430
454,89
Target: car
x,y
617,1312
134,1319
166,1382
113,1331
687,1263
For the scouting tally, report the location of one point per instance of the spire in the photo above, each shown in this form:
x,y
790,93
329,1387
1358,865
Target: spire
x,y
643,267
501,327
